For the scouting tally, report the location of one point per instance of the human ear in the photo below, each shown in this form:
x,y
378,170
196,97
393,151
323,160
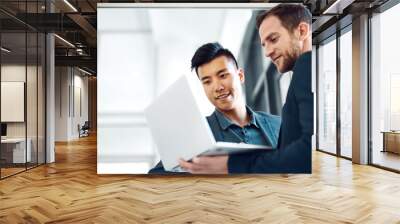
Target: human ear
x,y
304,30
241,75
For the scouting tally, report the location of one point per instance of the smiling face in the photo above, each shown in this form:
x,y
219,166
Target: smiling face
x,y
222,81
282,46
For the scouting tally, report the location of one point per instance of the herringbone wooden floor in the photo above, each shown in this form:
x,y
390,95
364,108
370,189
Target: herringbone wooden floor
x,y
70,191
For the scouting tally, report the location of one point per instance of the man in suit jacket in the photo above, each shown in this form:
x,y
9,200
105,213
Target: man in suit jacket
x,y
232,120
285,34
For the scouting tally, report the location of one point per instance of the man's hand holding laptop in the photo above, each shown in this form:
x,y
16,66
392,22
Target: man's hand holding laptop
x,y
206,165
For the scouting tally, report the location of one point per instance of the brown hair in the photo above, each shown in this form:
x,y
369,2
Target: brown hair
x,y
290,15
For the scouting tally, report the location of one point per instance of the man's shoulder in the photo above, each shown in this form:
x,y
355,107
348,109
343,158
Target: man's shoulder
x,y
271,123
265,114
211,116
212,119
268,117
301,79
305,57
303,63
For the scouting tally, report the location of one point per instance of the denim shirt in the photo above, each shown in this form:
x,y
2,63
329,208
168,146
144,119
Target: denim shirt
x,y
250,133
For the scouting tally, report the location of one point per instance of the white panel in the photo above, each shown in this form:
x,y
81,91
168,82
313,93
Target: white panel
x,y
12,101
235,21
196,25
120,141
50,98
123,168
125,71
14,73
125,86
77,111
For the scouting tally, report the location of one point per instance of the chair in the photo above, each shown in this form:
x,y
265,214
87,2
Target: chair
x,y
84,130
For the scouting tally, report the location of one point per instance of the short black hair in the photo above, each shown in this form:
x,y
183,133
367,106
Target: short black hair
x,y
290,15
209,52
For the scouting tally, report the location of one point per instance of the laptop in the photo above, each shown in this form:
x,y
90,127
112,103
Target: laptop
x,y
180,130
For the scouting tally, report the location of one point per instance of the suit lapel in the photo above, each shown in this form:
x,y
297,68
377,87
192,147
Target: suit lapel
x,y
266,128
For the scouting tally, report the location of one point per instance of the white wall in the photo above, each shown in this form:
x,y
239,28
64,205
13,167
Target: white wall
x,y
125,83
12,73
67,117
33,126
80,108
61,103
50,95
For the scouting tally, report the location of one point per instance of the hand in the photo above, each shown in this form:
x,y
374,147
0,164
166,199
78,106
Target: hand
x,y
206,165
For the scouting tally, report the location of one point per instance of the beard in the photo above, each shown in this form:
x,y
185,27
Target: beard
x,y
290,57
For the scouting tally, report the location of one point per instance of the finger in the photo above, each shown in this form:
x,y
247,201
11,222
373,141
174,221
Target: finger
x,y
189,166
197,160
194,167
202,160
185,165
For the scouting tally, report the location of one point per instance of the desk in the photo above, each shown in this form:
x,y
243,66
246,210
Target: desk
x,y
17,150
391,141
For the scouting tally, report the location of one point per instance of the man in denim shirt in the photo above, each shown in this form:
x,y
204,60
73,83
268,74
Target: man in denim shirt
x,y
232,120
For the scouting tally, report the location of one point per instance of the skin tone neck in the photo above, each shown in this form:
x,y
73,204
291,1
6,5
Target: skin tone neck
x,y
238,114
307,45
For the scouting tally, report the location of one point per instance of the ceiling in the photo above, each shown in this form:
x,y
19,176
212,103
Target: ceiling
x,y
76,22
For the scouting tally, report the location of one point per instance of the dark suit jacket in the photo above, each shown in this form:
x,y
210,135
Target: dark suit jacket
x,y
269,125
294,147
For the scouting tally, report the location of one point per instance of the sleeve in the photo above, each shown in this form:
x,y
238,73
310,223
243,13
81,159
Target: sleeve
x,y
158,169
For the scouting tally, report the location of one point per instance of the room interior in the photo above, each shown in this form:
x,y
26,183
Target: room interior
x,y
49,84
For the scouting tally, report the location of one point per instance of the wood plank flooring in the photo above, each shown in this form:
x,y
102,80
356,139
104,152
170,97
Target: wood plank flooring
x,y
10,171
70,191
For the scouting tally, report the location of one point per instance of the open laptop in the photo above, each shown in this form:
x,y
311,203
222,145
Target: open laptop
x,y
180,130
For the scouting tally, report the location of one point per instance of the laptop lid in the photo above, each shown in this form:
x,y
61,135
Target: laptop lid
x,y
177,125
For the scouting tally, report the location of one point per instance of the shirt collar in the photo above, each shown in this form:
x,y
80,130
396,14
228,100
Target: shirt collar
x,y
253,119
225,122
